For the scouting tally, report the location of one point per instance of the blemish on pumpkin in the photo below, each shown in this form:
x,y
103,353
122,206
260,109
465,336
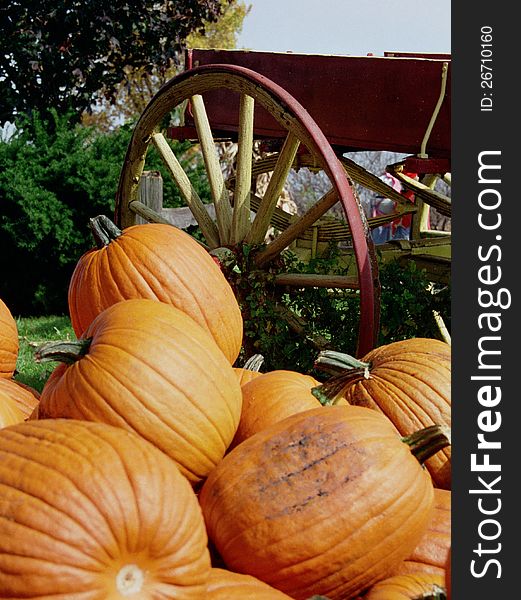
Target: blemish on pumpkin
x,y
299,505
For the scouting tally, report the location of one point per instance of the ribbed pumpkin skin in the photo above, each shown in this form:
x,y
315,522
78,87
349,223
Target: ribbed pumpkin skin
x,y
448,576
82,501
430,555
272,397
151,369
226,585
157,262
8,341
25,397
327,501
410,382
10,412
246,375
406,587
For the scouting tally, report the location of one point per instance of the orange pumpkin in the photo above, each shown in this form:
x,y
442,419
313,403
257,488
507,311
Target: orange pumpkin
x,y
324,502
430,555
10,412
25,397
227,585
272,397
9,344
408,587
148,367
409,381
448,575
158,262
90,510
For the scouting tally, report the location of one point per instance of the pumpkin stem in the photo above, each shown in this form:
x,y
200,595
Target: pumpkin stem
x,y
345,370
337,363
426,442
103,230
66,352
331,391
254,363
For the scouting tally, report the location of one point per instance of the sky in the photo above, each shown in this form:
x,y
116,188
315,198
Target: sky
x,y
355,27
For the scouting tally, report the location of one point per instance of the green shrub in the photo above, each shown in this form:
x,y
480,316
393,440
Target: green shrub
x,y
408,300
53,178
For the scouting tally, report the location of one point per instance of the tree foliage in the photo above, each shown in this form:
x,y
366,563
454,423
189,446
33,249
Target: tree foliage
x,y
53,179
65,54
223,32
139,86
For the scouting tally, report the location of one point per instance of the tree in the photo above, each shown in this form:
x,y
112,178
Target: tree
x,y
65,55
222,33
136,90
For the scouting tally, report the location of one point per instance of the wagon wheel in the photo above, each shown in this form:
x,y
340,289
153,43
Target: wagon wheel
x,y
233,226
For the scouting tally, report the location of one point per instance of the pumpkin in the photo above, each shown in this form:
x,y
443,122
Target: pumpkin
x,y
25,397
158,262
148,367
250,370
94,511
8,341
10,412
430,555
409,381
448,575
272,397
326,501
227,585
408,587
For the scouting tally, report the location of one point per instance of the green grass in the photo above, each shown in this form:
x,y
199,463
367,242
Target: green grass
x,y
33,332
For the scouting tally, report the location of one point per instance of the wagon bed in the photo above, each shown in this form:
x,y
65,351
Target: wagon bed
x,y
359,102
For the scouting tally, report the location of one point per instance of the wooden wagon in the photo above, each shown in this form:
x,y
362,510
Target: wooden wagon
x,y
304,111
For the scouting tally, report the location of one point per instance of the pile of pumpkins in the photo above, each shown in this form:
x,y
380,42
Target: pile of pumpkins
x,y
152,467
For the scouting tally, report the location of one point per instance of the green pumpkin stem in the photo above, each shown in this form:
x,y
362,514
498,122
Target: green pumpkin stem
x,y
103,230
345,370
337,363
426,442
331,391
66,352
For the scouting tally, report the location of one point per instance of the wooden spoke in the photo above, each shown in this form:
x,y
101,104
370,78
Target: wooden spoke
x,y
223,209
187,191
151,216
147,213
290,234
241,197
282,167
317,280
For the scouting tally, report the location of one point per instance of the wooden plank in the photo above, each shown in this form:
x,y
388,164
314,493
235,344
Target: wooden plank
x,y
149,192
316,280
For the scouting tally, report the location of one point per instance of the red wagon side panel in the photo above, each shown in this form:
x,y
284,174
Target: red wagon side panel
x,y
359,102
